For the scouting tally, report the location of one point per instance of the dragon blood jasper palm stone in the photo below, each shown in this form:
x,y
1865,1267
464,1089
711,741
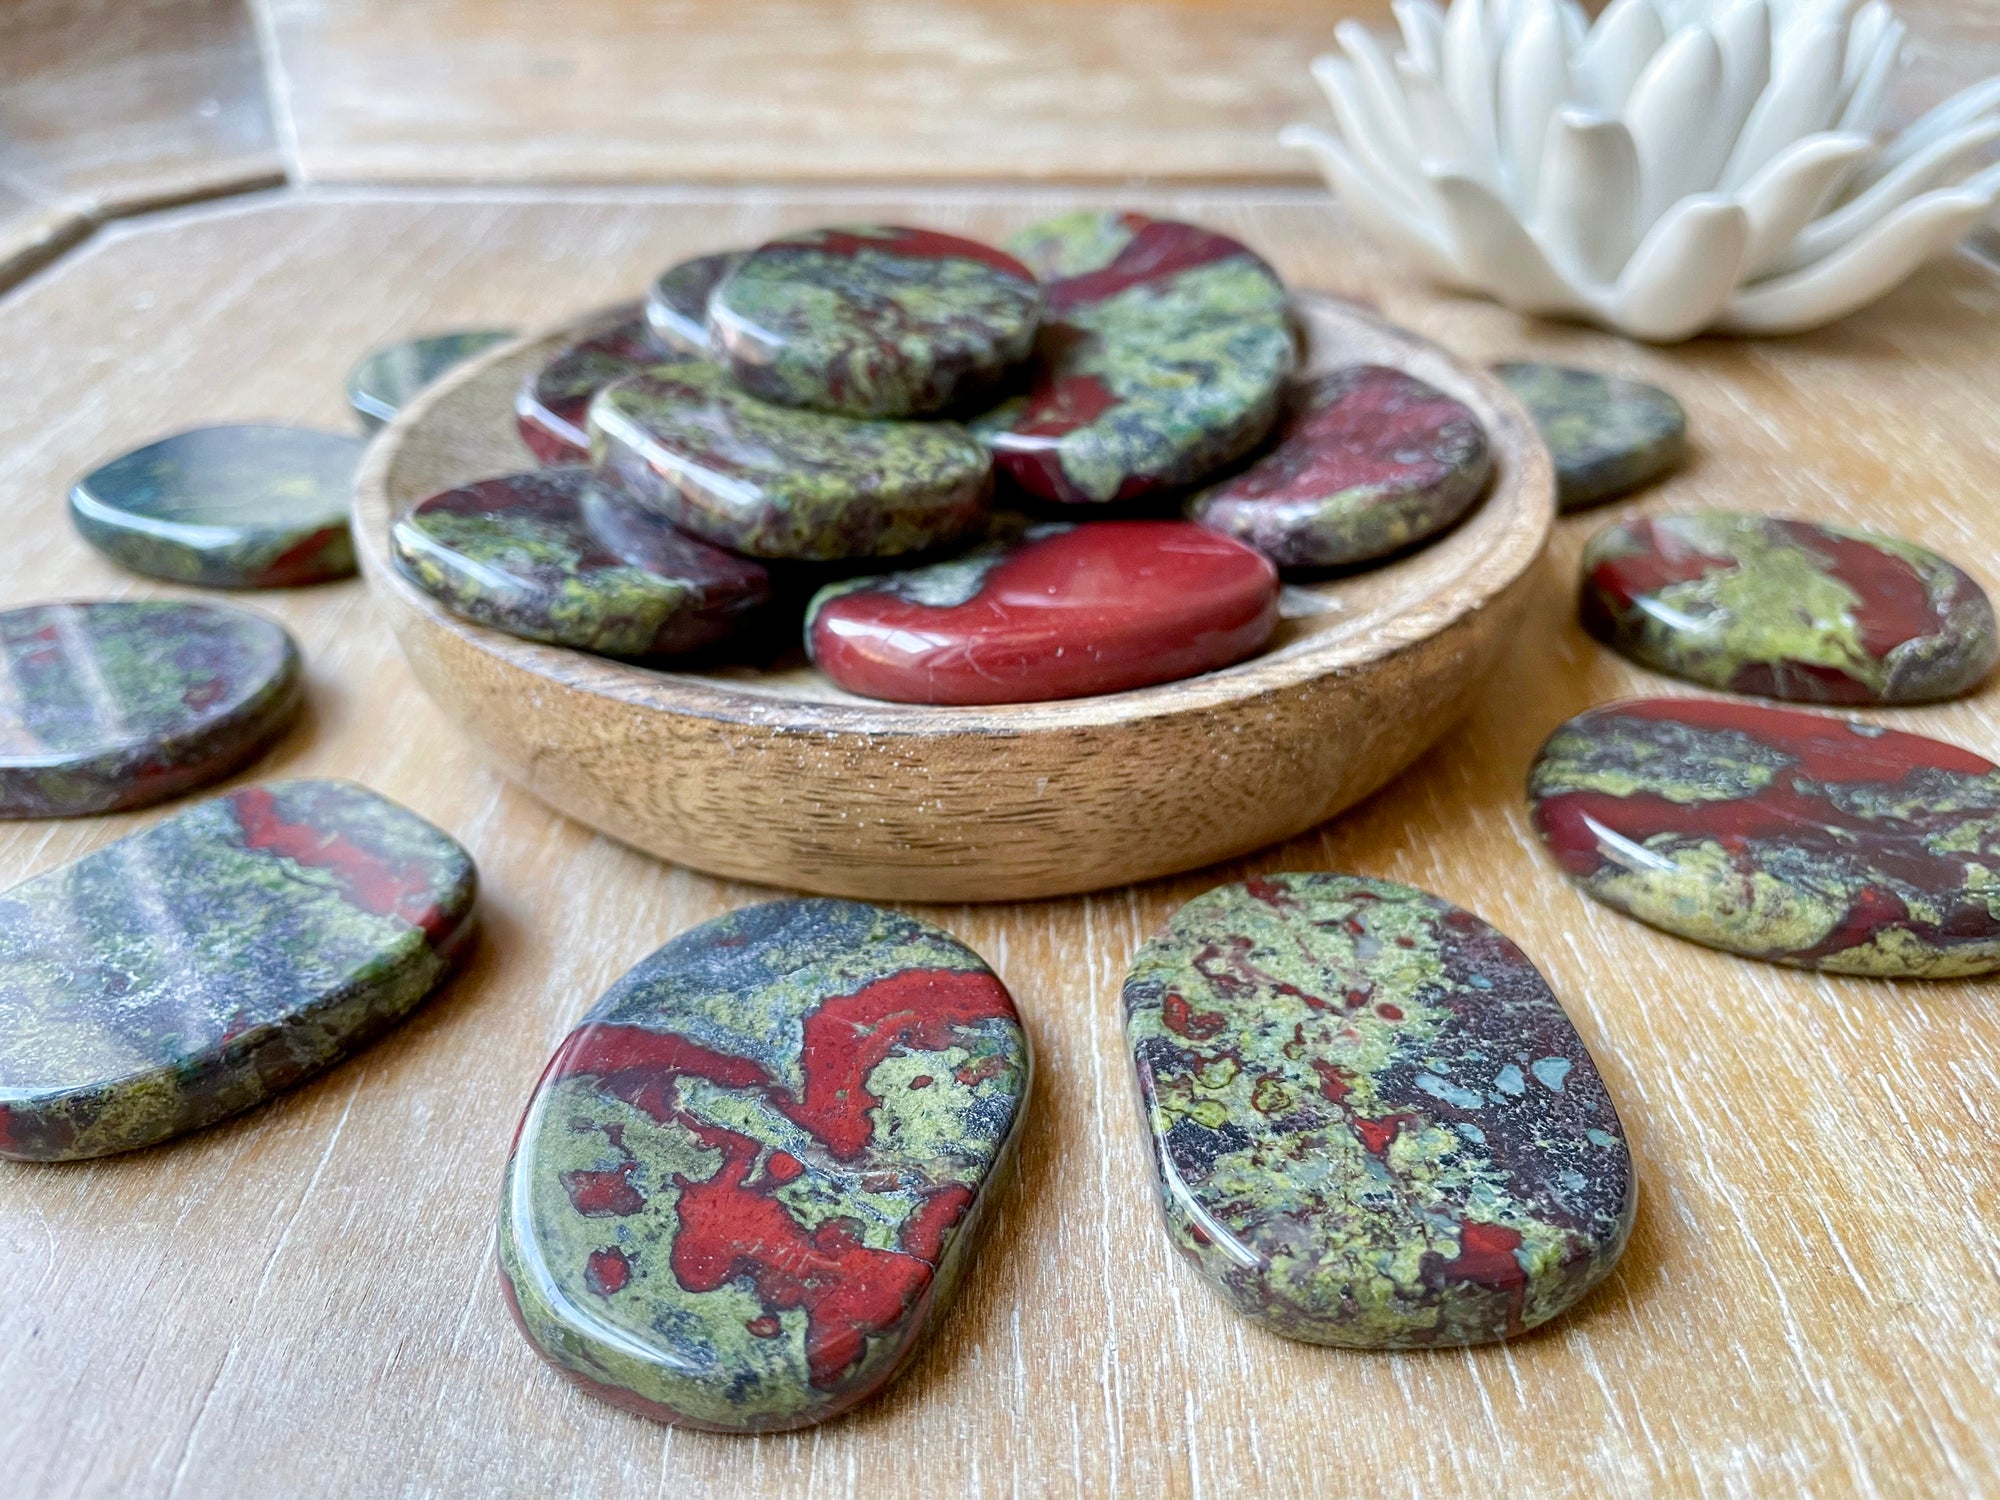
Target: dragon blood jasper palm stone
x,y
1607,436
873,320
1368,461
555,556
1372,1121
117,705
776,482
386,381
750,1179
1052,612
677,302
1782,835
1163,354
232,507
1787,609
195,969
551,413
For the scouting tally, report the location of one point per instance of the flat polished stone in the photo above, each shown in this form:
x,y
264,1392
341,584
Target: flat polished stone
x,y
750,1179
551,413
1055,612
250,506
1372,1122
873,320
677,302
1367,461
777,482
196,968
1163,355
1787,609
1608,436
1782,835
388,379
554,556
113,705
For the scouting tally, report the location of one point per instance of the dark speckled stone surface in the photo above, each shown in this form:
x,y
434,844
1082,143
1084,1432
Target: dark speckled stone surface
x,y
677,302
551,411
384,383
1608,436
1372,1121
750,1179
116,705
228,952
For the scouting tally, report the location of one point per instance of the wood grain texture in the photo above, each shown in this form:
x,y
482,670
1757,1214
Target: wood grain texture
x,y
301,1302
748,773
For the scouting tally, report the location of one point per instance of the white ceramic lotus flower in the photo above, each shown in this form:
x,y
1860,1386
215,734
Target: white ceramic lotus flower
x,y
1680,165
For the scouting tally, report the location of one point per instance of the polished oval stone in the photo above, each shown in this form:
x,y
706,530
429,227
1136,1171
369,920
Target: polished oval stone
x,y
1367,461
1052,612
677,302
1607,436
551,413
387,380
774,481
1163,354
1788,836
1373,1123
554,556
232,507
873,320
750,1179
115,705
1787,609
228,952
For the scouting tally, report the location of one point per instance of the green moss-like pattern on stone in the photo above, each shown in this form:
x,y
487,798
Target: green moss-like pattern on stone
x,y
387,380
677,302
1163,355
1787,609
1373,1123
552,409
1787,836
117,705
1607,436
752,1176
230,507
873,320
777,482
196,968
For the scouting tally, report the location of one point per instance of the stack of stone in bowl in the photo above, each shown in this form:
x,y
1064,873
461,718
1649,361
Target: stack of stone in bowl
x,y
1069,468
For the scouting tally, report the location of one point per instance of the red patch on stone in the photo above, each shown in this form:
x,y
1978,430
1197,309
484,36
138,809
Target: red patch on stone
x,y
607,1271
378,885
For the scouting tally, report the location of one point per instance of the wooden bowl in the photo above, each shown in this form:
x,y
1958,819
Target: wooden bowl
x,y
780,777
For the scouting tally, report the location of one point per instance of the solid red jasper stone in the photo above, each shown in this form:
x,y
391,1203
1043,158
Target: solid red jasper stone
x,y
1053,612
550,411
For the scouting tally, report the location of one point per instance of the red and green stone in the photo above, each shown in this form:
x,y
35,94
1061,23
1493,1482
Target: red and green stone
x,y
555,556
1793,837
1787,609
873,320
1163,355
750,1179
1372,1122
390,378
195,969
779,482
1367,461
551,413
1607,436
677,302
116,705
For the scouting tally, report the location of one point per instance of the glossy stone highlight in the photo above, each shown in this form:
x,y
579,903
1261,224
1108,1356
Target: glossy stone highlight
x,y
1368,461
1373,1123
1607,436
117,705
387,380
873,320
1052,612
231,507
751,1178
677,302
1787,609
773,481
554,556
195,969
552,410
1163,353
1782,835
